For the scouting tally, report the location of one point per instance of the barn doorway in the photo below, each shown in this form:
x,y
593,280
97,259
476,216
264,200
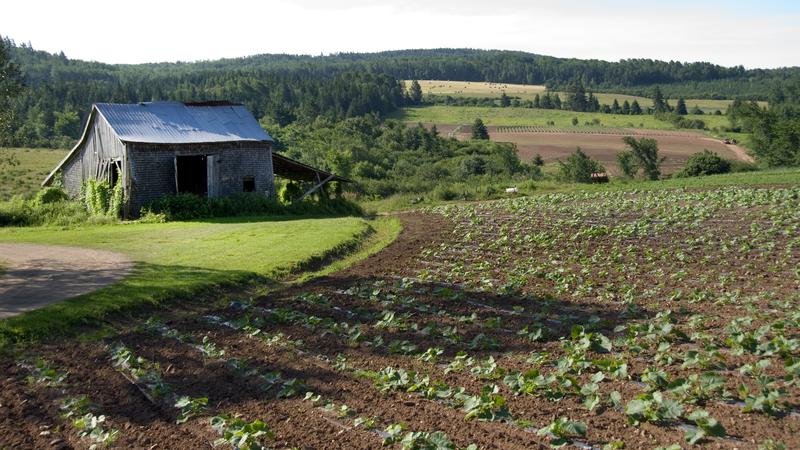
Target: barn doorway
x,y
113,173
191,174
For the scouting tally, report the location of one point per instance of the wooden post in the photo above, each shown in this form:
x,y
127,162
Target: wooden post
x,y
175,162
317,186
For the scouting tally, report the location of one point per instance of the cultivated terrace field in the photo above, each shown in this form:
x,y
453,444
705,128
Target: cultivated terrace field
x,y
552,134
512,116
600,320
529,91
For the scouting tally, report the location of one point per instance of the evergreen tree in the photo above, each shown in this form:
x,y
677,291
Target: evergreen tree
x,y
547,101
615,107
635,108
479,130
659,105
415,93
680,108
557,102
576,97
505,100
626,107
594,104
537,101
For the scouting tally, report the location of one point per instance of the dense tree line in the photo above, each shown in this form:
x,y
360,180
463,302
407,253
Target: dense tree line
x,y
289,88
59,93
776,129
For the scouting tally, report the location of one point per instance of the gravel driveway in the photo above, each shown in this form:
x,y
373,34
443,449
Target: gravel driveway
x,y
38,275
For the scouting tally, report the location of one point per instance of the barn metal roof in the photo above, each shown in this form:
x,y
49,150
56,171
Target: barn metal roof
x,y
292,169
179,123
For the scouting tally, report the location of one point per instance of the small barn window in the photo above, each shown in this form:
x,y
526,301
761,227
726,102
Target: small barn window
x,y
249,184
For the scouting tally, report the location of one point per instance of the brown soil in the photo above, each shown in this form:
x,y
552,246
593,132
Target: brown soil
x,y
428,243
603,144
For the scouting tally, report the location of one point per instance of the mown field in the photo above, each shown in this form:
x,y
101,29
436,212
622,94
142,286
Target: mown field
x,y
537,117
529,91
618,319
25,178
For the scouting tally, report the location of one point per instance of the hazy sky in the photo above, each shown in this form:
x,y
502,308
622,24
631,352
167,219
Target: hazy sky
x,y
755,34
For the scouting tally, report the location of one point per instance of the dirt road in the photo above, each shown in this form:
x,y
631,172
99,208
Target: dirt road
x,y
38,275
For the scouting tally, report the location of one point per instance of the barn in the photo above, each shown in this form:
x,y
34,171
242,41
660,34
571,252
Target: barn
x,y
210,149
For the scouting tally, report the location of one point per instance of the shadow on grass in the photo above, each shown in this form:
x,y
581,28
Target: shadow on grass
x,y
148,285
265,218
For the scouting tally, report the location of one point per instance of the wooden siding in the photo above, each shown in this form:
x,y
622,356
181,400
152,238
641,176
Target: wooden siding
x,y
152,168
92,158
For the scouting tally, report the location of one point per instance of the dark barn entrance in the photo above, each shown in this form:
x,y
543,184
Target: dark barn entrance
x,y
191,174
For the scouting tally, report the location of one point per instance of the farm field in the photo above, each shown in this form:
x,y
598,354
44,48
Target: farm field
x,y
537,117
625,318
25,179
529,91
603,144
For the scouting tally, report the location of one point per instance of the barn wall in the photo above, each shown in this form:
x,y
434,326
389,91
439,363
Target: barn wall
x,y
90,161
152,168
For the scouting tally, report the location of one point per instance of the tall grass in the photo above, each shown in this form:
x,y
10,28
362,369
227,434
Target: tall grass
x,y
22,213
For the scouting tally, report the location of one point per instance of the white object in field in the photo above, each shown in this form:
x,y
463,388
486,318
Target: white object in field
x,y
512,190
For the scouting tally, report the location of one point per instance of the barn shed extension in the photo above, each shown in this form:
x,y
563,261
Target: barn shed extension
x,y
210,149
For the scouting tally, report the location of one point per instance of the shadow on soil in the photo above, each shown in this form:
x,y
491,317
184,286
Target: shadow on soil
x,y
492,332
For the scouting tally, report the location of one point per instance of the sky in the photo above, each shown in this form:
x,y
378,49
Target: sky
x,y
763,34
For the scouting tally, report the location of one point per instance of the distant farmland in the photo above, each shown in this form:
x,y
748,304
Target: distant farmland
x,y
529,91
538,117
603,144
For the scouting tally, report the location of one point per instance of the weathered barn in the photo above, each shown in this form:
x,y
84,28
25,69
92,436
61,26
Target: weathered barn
x,y
209,149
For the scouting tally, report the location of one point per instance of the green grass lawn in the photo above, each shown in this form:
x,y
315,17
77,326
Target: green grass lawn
x,y
180,259
25,179
439,114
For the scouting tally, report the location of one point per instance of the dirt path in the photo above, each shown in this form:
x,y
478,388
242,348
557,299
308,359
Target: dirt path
x,y
741,153
38,275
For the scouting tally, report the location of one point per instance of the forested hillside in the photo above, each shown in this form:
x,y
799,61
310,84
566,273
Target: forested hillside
x,y
287,88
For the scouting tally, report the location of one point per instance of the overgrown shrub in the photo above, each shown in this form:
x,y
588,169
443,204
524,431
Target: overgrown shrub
x,y
705,163
680,121
51,195
97,194
20,213
742,166
190,206
578,168
101,200
289,192
444,193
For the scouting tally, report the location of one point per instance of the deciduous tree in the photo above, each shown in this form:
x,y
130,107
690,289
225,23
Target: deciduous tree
x,y
645,153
